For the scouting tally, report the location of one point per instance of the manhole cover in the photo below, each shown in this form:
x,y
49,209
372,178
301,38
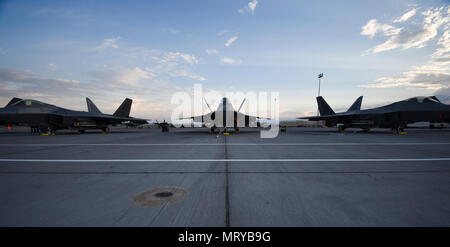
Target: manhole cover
x,y
164,195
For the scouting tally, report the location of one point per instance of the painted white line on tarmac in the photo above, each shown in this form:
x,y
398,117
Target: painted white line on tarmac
x,y
219,160
230,144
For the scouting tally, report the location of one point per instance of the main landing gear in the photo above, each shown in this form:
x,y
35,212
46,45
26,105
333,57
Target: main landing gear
x,y
398,131
50,132
38,129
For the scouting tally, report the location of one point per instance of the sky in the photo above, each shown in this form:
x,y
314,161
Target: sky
x,y
60,52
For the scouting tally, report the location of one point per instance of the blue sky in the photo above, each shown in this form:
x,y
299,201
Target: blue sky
x,y
62,51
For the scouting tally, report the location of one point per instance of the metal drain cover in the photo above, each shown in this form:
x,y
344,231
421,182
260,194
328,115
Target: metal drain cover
x,y
164,195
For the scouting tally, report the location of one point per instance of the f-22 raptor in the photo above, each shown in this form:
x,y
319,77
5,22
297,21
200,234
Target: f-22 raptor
x,y
50,118
395,116
225,116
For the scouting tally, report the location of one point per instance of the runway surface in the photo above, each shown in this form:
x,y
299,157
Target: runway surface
x,y
304,177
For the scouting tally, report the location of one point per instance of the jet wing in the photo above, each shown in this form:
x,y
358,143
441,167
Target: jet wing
x,y
347,116
201,118
244,120
244,116
115,120
100,118
29,118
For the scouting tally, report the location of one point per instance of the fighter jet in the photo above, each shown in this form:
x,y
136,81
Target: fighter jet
x,y
124,108
226,117
395,116
42,116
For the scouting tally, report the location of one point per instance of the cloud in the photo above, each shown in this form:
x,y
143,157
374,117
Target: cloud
x,y
152,66
443,95
373,27
212,51
127,76
229,60
308,113
406,16
231,40
442,54
108,43
433,75
187,74
27,77
150,77
412,35
51,66
249,8
151,96
24,83
425,79
177,56
252,6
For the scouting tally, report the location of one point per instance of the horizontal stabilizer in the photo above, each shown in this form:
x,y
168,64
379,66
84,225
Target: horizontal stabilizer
x,y
356,106
13,100
124,108
92,107
324,108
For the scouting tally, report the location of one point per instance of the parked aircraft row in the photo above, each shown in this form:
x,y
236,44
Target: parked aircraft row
x,y
395,116
41,116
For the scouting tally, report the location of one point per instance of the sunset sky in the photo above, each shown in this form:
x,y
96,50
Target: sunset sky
x,y
60,52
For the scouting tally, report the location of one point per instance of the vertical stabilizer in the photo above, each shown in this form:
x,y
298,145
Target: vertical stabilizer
x,y
13,100
124,108
92,107
356,106
324,108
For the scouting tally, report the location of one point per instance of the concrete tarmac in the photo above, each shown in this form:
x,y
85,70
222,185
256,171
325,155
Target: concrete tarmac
x,y
304,177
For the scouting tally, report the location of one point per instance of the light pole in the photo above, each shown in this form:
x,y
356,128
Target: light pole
x,y
319,76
